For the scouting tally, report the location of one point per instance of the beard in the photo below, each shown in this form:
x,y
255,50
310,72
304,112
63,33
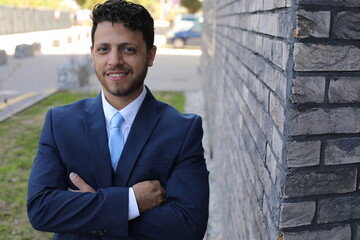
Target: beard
x,y
119,90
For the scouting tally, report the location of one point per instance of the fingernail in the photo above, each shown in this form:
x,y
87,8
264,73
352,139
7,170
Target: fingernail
x,y
73,175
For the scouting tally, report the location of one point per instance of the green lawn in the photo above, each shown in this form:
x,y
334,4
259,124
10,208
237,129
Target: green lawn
x,y
18,145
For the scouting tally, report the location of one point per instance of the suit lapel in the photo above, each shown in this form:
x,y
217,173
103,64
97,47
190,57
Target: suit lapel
x,y
141,129
95,128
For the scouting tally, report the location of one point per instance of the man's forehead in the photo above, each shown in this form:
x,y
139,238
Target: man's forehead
x,y
108,32
110,27
115,26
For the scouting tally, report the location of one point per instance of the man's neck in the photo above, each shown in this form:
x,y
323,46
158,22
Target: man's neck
x,y
119,102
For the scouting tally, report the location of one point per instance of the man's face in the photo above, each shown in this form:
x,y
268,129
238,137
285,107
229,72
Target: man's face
x,y
121,60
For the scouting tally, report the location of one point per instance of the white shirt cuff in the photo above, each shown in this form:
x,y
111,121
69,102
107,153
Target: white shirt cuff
x,y
133,207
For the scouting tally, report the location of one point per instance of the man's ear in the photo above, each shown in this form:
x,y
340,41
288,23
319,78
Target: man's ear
x,y
92,51
151,56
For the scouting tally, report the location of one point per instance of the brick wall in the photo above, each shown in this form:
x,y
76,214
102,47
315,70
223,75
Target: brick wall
x,y
283,92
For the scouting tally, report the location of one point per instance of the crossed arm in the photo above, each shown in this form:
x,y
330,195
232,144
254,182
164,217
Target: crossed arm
x,y
148,194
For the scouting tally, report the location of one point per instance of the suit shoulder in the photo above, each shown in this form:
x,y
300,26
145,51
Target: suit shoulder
x,y
72,108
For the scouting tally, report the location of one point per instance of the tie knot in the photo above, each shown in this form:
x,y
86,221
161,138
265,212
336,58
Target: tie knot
x,y
116,120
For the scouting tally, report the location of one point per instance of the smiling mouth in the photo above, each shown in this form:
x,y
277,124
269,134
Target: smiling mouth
x,y
116,74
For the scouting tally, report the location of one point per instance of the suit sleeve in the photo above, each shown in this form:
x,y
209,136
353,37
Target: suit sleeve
x,y
52,208
185,214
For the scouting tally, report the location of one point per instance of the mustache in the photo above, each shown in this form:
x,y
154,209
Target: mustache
x,y
118,69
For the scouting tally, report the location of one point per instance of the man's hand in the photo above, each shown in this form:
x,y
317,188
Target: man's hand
x,y
80,184
149,194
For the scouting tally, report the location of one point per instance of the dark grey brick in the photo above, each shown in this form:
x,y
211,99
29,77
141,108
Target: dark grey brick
x,y
300,184
342,151
326,57
347,25
348,3
316,24
344,90
336,233
338,209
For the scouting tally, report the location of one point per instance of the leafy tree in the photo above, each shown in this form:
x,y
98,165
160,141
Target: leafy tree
x,y
91,3
81,2
193,6
152,6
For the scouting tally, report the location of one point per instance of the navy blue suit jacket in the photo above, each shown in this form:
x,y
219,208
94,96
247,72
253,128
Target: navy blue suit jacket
x,y
162,145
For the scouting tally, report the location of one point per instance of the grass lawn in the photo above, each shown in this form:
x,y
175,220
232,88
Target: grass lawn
x,y
18,145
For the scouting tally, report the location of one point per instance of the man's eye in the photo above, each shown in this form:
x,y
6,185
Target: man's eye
x,y
102,50
129,50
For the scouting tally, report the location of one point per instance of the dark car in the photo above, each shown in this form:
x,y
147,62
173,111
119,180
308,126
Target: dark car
x,y
192,36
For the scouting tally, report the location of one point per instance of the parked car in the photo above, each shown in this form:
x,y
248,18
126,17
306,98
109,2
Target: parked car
x,y
191,36
183,22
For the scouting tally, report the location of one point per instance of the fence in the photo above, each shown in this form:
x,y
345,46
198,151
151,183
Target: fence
x,y
19,20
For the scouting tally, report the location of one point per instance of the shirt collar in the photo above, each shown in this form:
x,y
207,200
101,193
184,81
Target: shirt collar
x,y
129,112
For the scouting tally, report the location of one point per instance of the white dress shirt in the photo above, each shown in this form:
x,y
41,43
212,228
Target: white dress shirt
x,y
129,113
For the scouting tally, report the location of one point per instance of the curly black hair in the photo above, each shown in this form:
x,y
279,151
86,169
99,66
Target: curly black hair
x,y
133,16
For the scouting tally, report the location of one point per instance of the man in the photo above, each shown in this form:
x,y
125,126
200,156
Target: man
x,y
157,188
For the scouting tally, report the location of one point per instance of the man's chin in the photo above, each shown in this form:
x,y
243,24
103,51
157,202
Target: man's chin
x,y
120,93
124,92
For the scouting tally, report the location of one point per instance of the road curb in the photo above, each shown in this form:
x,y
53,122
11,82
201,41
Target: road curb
x,y
13,109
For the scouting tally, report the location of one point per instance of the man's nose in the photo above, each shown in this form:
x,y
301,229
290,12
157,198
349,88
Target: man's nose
x,y
115,58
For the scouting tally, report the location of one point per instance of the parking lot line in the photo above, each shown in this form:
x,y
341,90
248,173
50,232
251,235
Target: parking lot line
x,y
17,99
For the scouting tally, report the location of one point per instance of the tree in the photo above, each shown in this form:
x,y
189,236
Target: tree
x,y
89,4
81,2
151,6
193,6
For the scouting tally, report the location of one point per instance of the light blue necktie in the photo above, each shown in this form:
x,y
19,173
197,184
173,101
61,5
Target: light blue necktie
x,y
116,139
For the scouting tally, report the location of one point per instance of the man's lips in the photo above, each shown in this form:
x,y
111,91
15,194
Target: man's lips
x,y
116,74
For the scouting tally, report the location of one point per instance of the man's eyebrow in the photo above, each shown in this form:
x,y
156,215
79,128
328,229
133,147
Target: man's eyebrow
x,y
128,44
119,45
101,44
